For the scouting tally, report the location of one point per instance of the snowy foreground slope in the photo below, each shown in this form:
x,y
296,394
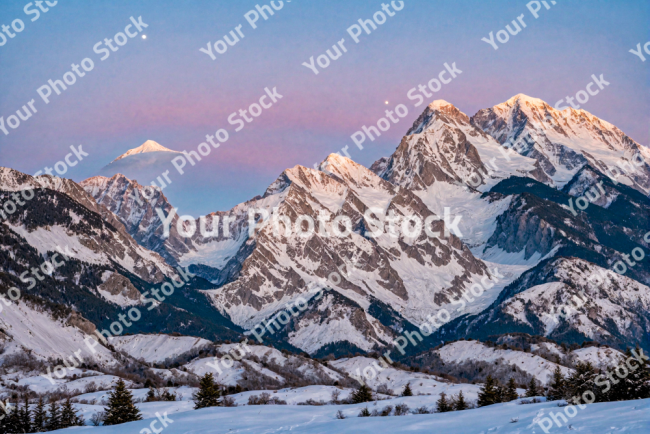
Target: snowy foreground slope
x,y
612,417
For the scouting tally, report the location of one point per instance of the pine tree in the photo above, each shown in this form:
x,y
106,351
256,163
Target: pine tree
x,y
54,419
636,385
510,393
532,390
557,386
459,402
582,380
442,404
208,393
363,394
407,390
40,416
488,394
5,413
151,395
69,417
13,421
501,392
120,406
25,418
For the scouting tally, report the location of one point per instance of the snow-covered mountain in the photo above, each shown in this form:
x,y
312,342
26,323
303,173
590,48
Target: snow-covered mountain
x,y
157,348
448,162
264,273
75,220
215,257
28,328
135,206
463,353
69,254
568,300
443,146
513,218
149,163
146,147
541,221
564,141
411,277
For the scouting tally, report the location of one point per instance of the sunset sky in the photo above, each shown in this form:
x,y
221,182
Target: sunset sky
x,y
164,89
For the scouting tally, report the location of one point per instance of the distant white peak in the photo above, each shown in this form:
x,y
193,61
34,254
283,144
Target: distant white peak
x,y
338,161
439,103
148,146
523,100
442,106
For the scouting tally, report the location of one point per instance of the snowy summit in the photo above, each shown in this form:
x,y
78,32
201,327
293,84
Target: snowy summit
x,y
148,146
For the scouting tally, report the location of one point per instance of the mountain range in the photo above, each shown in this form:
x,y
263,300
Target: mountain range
x,y
542,210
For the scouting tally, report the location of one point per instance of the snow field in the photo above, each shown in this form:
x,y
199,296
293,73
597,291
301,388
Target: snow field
x,y
509,418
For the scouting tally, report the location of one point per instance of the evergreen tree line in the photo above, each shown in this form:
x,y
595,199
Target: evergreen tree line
x,y
585,382
493,393
20,419
605,386
456,403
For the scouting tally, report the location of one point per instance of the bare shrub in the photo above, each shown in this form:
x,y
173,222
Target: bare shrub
x,y
386,411
384,390
22,361
265,399
340,415
312,402
335,396
530,401
254,380
422,410
160,394
90,387
229,401
98,418
364,412
401,410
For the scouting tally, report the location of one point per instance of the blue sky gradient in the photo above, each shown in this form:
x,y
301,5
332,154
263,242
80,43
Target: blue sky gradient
x,y
164,89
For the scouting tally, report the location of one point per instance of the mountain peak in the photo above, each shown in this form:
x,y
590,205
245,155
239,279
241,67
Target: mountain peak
x,y
439,103
148,146
349,172
335,158
523,99
438,110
